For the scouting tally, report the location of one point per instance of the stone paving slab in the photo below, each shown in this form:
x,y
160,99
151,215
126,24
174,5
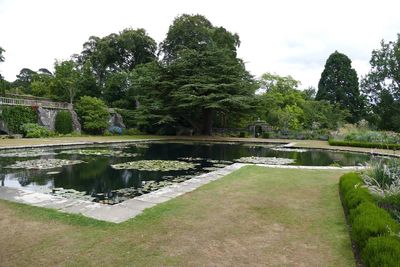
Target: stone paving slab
x,y
130,208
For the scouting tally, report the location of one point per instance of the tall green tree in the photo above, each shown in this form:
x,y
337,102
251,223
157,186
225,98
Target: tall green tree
x,y
66,76
382,84
339,85
204,74
24,80
117,52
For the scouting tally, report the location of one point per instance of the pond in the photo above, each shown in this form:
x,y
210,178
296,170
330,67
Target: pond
x,y
98,173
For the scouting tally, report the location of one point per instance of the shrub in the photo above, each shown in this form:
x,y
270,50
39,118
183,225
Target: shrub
x,y
129,117
242,134
93,113
132,131
391,203
383,177
63,122
16,116
368,220
333,142
353,194
34,130
383,251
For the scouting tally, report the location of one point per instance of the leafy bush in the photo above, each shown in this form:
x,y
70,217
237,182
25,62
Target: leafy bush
x,y
242,134
63,122
93,113
383,251
34,130
16,116
368,220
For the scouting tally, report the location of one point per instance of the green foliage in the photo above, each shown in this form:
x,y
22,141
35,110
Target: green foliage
x,y
333,142
129,117
382,85
63,122
24,80
203,75
370,221
16,116
383,251
34,130
339,85
132,131
66,77
391,203
120,52
93,113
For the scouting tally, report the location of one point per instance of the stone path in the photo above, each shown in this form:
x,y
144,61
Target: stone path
x,y
130,208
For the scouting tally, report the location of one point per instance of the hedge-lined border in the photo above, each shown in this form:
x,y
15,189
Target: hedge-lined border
x,y
333,142
372,228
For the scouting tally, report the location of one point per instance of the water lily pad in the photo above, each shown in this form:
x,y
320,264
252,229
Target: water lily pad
x,y
266,160
43,164
99,152
155,165
25,153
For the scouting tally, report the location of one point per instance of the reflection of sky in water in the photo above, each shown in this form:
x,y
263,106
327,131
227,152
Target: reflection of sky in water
x,y
96,174
20,180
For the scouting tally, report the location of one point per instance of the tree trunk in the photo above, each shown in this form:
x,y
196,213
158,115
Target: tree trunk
x,y
207,121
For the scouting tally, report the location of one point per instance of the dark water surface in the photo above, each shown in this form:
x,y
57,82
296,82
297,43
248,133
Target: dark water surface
x,y
96,174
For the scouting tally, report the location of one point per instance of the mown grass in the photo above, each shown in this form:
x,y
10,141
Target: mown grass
x,y
254,216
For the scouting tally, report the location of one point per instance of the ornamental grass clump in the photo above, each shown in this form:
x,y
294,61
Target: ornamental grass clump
x,y
383,177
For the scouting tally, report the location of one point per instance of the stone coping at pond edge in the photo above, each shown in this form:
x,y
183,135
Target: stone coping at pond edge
x,y
132,207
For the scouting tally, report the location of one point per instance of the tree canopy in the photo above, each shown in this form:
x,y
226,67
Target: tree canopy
x,y
204,75
339,85
382,84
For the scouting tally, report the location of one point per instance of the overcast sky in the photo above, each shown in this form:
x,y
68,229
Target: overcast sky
x,y
284,37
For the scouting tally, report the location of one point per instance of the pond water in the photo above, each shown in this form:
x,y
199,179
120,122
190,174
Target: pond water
x,y
95,179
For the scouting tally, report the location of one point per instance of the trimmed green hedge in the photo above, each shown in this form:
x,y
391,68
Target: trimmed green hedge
x,y
333,142
353,194
63,122
34,130
368,220
372,227
383,251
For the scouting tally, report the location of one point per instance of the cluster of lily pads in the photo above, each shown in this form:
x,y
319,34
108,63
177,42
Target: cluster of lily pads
x,y
26,153
99,152
155,165
266,160
43,164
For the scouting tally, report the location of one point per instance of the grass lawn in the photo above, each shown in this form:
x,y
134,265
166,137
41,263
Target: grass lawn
x,y
254,216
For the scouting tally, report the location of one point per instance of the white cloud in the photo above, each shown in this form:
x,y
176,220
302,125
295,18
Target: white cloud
x,y
287,37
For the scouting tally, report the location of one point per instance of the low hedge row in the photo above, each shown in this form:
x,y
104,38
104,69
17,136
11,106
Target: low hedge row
x,y
333,142
373,229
